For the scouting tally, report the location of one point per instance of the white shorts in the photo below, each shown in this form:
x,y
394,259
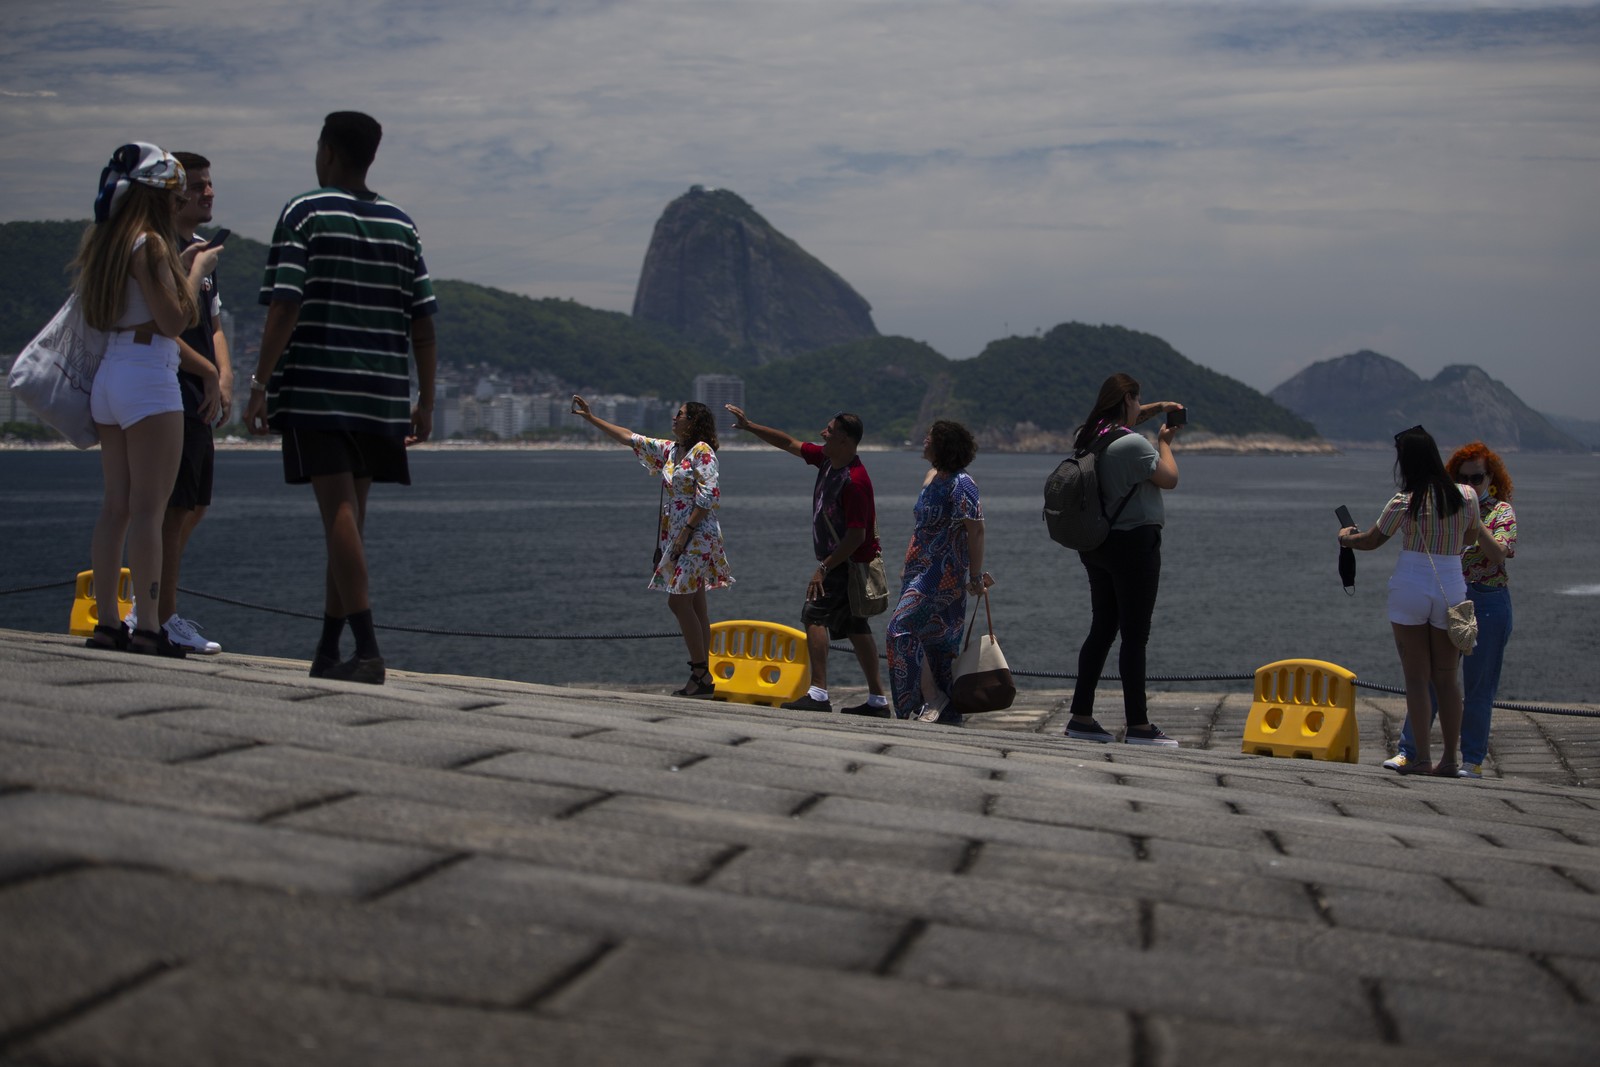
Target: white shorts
x,y
1415,594
135,381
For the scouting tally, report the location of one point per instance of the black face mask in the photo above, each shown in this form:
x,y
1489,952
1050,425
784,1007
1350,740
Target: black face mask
x,y
1347,569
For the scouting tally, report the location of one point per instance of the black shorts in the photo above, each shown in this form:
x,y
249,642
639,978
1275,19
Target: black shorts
x,y
833,608
309,454
192,488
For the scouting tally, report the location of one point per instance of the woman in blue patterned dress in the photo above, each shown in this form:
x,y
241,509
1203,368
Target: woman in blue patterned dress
x,y
944,562
690,538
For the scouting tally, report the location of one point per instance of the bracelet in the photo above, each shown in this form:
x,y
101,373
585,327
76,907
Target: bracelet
x,y
257,383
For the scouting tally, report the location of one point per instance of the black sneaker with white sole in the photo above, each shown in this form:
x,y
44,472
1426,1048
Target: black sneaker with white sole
x,y
1091,732
1148,734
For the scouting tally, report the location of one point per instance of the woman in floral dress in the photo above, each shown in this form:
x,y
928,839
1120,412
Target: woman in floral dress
x,y
944,562
690,538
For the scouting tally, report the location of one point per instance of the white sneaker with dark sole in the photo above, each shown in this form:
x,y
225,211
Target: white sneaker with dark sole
x,y
186,635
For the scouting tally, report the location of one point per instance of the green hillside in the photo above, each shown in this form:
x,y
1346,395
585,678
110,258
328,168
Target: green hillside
x,y
896,384
601,351
884,380
34,279
1051,381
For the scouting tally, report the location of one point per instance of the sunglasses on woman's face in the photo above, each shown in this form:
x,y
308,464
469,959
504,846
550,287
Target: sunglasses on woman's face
x,y
1474,479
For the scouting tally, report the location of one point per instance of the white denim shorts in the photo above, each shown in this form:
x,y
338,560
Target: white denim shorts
x,y
1415,594
135,381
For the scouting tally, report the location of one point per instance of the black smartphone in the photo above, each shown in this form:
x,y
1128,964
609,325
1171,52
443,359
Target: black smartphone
x,y
219,238
1178,417
1345,521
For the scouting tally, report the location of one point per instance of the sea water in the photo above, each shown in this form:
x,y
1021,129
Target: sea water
x,y
531,549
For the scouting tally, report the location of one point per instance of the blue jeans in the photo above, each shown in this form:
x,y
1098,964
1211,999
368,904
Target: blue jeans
x,y
1480,673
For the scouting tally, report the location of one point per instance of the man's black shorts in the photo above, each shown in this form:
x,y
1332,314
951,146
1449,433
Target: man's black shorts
x,y
833,608
192,487
309,454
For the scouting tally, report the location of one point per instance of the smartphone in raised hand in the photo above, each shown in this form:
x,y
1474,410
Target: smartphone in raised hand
x,y
219,238
1178,417
1345,521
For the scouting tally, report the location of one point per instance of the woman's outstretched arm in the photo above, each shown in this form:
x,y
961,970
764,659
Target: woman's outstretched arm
x,y
619,434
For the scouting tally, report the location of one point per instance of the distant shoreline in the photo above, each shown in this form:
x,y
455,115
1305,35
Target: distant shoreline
x,y
1051,444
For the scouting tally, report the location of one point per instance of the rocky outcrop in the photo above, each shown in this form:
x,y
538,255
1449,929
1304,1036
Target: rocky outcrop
x,y
1366,397
717,272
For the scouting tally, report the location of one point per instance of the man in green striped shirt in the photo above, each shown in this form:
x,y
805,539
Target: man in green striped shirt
x,y
349,306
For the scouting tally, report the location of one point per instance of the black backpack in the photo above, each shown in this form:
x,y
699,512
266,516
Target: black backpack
x,y
1074,512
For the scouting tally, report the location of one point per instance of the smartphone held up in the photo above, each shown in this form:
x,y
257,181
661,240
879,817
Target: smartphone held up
x,y
1177,417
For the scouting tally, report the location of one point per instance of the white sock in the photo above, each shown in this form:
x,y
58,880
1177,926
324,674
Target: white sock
x,y
877,700
817,694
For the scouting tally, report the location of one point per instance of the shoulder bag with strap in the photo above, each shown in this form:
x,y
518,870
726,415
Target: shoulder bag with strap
x,y
869,583
982,678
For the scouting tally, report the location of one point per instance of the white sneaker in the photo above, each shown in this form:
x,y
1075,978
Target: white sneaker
x,y
186,635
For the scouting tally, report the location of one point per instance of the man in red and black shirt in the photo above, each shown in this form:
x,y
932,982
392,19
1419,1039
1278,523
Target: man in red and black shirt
x,y
844,527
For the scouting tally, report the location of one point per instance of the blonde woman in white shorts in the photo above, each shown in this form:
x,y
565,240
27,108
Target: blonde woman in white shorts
x,y
133,282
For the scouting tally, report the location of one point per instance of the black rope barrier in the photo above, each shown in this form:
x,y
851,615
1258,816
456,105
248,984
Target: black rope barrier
x,y
1538,709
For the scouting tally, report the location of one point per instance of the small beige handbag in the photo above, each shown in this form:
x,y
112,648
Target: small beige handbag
x,y
1461,620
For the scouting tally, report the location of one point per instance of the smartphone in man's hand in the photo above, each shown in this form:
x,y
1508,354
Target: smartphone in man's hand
x,y
1345,521
219,238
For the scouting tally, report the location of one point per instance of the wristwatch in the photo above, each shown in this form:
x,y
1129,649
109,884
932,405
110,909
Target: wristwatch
x,y
257,383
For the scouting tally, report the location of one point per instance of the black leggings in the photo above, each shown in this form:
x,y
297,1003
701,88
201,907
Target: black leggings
x,y
1124,574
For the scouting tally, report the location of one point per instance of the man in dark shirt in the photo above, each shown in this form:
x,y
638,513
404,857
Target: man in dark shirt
x,y
205,378
844,528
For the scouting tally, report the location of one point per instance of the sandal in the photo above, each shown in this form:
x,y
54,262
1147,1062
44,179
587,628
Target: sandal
x,y
115,638
155,643
701,685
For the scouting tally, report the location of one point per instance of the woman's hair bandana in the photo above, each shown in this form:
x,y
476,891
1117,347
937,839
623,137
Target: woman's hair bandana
x,y
137,162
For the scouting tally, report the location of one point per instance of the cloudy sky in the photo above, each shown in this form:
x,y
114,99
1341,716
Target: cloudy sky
x,y
1262,185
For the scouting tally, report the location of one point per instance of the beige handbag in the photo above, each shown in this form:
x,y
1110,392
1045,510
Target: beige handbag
x,y
982,678
1461,620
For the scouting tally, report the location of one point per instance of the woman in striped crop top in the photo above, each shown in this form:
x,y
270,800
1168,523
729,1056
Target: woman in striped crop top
x,y
1435,518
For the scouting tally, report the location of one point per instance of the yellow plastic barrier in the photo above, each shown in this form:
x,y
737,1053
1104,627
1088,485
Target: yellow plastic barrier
x,y
1305,709
759,662
86,613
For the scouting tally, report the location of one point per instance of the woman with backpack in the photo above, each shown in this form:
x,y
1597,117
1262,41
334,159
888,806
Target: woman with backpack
x,y
1125,570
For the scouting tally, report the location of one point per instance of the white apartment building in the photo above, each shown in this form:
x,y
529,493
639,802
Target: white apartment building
x,y
715,390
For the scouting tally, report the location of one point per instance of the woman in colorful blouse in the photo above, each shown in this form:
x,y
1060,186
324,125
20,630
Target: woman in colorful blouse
x,y
1435,517
944,562
689,537
1483,567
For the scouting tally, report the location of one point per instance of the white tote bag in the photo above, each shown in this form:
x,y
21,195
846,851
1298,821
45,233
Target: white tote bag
x,y
55,372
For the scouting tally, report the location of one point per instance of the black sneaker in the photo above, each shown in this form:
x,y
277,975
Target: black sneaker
x,y
1148,734
354,669
1092,732
321,665
882,711
805,703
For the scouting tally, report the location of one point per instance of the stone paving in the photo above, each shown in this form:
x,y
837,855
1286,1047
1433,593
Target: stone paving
x,y
225,862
